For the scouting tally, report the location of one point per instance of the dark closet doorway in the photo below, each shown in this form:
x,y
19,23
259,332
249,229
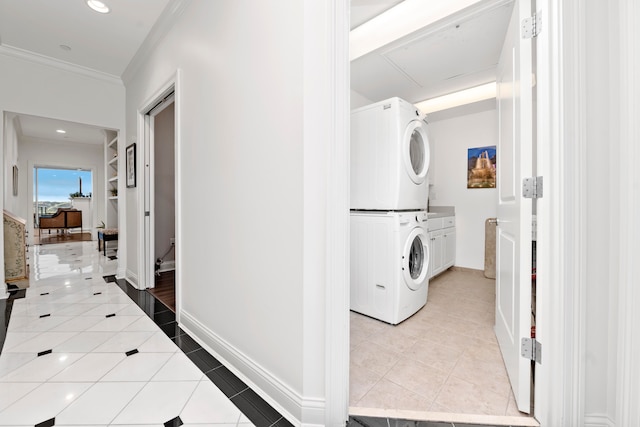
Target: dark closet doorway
x,y
162,179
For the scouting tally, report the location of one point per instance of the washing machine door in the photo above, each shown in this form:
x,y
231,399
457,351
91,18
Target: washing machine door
x,y
415,259
416,151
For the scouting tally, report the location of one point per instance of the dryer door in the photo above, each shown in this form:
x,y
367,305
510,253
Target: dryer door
x,y
415,259
416,151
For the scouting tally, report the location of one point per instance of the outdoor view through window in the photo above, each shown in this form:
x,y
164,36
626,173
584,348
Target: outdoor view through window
x,y
56,188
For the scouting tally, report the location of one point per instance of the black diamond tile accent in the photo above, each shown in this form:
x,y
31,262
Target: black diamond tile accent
x,y
44,293
256,409
45,315
111,278
204,360
186,343
112,257
48,423
132,352
227,381
87,278
42,353
110,315
97,293
176,422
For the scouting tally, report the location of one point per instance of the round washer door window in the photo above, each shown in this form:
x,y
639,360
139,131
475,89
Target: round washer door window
x,y
415,259
416,151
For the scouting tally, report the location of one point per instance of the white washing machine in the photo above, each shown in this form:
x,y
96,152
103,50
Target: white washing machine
x,y
389,264
390,157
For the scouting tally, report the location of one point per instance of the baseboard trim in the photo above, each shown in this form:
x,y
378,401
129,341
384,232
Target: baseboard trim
x,y
132,278
598,420
301,411
167,266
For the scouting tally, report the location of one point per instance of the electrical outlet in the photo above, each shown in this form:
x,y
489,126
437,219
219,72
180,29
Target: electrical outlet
x,y
172,240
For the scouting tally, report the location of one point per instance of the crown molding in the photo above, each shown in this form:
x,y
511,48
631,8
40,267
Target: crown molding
x,y
39,59
165,22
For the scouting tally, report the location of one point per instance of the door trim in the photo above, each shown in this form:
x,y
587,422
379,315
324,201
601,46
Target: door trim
x,y
146,266
559,391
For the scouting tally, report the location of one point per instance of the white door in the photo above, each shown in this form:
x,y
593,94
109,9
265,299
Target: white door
x,y
513,235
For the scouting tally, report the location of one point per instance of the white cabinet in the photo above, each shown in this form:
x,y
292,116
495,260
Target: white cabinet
x,y
449,250
442,244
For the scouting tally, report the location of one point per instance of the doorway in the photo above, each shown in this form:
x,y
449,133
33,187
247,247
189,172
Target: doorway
x,y
391,55
164,205
160,200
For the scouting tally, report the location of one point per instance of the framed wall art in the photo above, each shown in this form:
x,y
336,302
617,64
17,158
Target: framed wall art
x,y
131,165
481,167
15,180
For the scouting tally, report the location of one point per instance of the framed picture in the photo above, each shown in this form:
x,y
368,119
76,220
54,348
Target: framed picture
x,y
481,167
131,165
15,180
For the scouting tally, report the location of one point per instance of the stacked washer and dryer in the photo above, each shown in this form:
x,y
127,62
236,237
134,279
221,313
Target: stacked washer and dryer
x,y
390,157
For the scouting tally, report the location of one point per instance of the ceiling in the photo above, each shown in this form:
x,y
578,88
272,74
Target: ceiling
x,y
100,42
103,43
456,53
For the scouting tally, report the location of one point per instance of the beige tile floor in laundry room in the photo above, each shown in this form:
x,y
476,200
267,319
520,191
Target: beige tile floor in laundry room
x,y
445,358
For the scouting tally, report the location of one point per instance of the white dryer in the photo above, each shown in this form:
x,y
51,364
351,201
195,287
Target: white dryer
x,y
390,157
389,264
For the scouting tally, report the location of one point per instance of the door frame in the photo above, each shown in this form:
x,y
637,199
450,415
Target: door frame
x,y
145,169
559,390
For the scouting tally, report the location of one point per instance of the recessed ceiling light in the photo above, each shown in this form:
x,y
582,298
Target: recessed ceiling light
x,y
65,47
61,131
98,6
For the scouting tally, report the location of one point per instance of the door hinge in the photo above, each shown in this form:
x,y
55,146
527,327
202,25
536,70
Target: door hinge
x,y
532,26
532,187
531,349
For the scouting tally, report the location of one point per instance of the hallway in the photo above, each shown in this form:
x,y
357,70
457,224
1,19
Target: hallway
x,y
82,348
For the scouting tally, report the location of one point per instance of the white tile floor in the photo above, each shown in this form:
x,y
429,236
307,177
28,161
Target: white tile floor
x,y
87,379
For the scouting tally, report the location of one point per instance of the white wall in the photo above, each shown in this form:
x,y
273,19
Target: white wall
x,y
358,100
242,175
10,148
451,134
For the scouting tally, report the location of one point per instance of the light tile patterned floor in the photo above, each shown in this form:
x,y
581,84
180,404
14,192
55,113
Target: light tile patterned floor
x,y
445,358
65,355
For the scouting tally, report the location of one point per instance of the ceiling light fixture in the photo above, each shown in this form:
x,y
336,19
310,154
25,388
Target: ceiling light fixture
x,y
399,21
65,47
61,131
456,99
98,6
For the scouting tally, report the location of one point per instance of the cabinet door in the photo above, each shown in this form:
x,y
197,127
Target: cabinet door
x,y
449,250
436,247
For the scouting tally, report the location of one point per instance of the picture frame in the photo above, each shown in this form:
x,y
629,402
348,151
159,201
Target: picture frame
x,y
130,161
15,180
481,167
